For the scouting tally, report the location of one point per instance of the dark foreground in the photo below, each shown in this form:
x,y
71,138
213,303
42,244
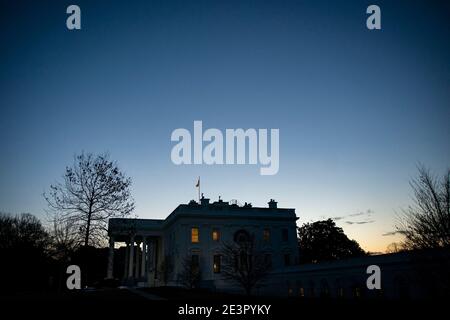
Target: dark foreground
x,y
169,303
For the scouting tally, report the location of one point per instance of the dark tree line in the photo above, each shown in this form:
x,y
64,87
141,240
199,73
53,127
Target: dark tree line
x,y
32,259
25,249
324,241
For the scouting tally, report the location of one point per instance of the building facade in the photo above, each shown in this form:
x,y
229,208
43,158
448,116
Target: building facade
x,y
156,249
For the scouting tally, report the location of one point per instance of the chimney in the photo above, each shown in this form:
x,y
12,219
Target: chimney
x,y
204,201
272,204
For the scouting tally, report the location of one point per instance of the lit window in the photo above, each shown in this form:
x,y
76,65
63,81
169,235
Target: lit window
x,y
194,235
216,235
216,263
302,292
266,234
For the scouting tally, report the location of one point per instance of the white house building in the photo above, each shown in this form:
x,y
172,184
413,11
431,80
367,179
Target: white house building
x,y
198,231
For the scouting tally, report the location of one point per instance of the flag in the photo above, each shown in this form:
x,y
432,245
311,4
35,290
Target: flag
x,y
198,183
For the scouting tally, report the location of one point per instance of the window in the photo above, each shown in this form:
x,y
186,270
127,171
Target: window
x,y
241,236
266,235
243,261
216,235
357,292
290,292
195,262
216,263
268,260
195,235
284,235
287,259
301,292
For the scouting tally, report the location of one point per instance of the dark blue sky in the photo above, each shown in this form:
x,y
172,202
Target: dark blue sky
x,y
356,109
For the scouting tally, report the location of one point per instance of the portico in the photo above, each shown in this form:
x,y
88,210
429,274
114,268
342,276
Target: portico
x,y
142,239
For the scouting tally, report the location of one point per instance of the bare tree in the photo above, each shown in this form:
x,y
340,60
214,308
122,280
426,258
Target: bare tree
x,y
190,273
244,264
426,223
65,237
92,191
394,247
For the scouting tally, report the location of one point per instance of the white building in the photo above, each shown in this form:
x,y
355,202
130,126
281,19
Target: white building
x,y
198,231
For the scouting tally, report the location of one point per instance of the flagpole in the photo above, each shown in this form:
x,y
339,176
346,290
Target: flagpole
x,y
199,189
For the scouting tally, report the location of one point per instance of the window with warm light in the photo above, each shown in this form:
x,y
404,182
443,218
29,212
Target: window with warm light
x,y
302,292
216,235
266,235
216,263
195,235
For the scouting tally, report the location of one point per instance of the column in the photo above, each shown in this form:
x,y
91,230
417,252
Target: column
x,y
110,272
131,258
155,258
137,265
127,256
144,257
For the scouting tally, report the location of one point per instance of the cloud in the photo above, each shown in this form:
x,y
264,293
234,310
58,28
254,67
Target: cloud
x,y
364,222
363,214
359,222
390,233
368,212
356,214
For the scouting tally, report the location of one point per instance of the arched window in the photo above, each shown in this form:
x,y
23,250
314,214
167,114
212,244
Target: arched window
x,y
241,236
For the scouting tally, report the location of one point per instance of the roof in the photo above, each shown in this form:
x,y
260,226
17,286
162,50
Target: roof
x,y
216,210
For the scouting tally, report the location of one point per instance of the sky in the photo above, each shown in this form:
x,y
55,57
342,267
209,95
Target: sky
x,y
356,109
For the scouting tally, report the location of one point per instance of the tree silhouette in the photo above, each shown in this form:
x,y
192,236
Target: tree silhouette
x,y
323,241
24,247
243,263
426,223
190,273
93,190
165,269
